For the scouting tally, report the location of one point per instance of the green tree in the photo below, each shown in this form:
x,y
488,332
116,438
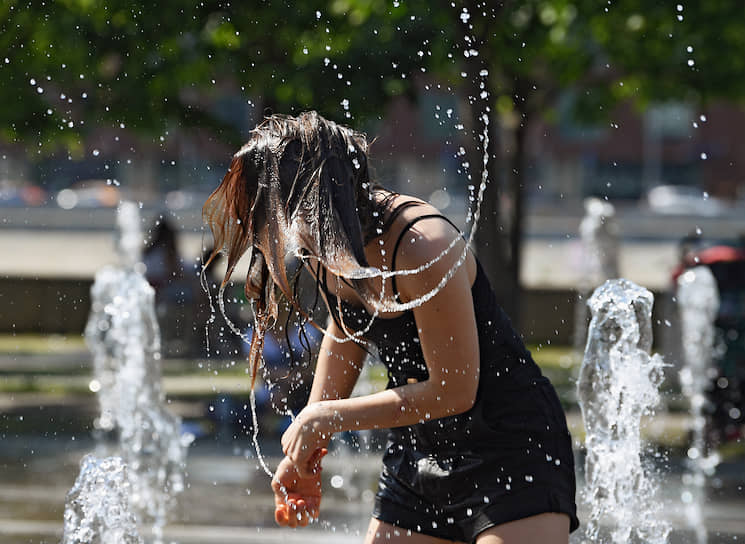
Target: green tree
x,y
73,65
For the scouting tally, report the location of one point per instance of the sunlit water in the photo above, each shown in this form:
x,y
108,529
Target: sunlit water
x,y
698,302
618,385
97,508
123,336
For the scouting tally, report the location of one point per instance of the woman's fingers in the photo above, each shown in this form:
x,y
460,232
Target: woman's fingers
x,y
280,514
296,513
297,498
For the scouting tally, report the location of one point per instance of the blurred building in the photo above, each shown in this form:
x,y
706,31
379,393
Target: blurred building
x,y
417,148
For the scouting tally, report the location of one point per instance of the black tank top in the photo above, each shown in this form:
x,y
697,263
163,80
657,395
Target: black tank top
x,y
515,428
502,352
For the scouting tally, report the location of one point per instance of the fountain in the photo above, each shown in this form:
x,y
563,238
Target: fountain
x,y
123,336
97,508
698,300
618,384
598,232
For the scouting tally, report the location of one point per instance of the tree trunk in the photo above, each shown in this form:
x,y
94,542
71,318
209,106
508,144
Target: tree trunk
x,y
515,220
492,235
492,245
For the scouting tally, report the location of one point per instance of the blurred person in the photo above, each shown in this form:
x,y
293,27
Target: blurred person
x,y
174,290
725,410
478,448
213,334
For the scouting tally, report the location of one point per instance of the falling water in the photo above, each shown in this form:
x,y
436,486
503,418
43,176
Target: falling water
x,y
97,508
618,384
698,301
123,335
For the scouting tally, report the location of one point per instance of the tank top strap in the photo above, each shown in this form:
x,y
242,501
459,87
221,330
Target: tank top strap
x,y
401,237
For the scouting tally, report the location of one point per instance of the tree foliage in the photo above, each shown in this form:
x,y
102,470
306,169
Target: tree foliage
x,y
74,65
71,66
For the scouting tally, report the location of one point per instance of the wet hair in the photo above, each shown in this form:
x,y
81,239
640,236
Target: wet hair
x,y
299,185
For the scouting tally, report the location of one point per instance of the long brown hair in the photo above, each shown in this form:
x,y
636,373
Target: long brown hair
x,y
299,184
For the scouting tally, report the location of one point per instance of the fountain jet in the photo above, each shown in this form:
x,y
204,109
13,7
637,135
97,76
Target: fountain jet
x,y
618,384
123,335
698,302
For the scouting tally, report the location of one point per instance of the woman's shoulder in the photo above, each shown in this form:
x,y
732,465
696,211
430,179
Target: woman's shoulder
x,y
424,239
419,222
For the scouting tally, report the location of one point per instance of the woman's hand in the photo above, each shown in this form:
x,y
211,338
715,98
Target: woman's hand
x,y
306,437
297,500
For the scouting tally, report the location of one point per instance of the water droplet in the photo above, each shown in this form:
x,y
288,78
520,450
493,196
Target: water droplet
x,y
96,152
704,156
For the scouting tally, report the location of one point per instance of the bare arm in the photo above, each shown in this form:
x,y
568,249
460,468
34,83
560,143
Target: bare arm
x,y
449,342
337,368
297,494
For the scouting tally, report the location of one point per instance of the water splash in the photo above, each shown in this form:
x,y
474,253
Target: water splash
x,y
618,384
97,507
123,335
698,302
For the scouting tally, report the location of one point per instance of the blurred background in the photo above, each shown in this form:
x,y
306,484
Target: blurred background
x,y
634,105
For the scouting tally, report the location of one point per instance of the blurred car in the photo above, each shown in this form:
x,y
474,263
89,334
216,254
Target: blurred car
x,y
24,194
185,199
93,193
683,200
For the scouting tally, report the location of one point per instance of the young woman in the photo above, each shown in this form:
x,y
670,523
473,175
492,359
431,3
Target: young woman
x,y
478,449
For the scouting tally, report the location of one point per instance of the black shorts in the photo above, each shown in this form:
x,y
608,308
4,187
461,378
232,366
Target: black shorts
x,y
456,494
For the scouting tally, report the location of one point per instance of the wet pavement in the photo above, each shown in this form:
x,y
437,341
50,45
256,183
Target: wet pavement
x,y
228,498
44,435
